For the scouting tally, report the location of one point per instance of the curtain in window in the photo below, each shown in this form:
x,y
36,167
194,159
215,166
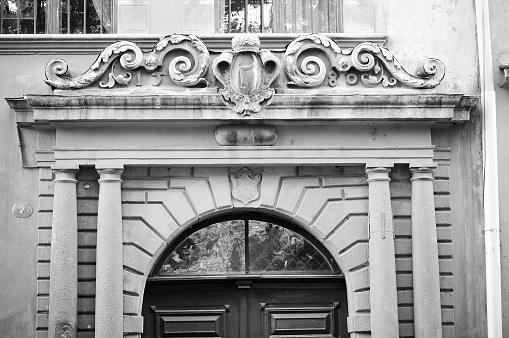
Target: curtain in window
x,y
104,10
280,16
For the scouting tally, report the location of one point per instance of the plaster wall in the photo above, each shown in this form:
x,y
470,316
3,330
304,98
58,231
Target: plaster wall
x,y
18,236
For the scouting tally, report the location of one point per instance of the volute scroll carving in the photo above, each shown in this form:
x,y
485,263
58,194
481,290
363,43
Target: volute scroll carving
x,y
185,70
246,73
368,62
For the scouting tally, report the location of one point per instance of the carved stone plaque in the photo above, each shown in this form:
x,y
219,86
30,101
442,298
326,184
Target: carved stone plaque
x,y
245,185
22,210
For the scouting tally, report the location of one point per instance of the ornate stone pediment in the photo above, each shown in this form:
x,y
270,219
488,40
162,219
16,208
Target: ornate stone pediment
x,y
246,75
368,63
186,68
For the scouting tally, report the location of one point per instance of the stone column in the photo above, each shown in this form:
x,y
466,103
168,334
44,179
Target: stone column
x,y
109,263
63,301
382,264
427,310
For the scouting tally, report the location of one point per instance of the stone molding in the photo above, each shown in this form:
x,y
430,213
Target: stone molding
x,y
291,105
246,72
58,44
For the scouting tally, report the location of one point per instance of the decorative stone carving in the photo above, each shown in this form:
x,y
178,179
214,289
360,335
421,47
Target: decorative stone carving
x,y
131,57
245,185
371,63
246,73
246,135
505,77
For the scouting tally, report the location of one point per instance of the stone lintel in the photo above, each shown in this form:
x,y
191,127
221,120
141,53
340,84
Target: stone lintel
x,y
202,106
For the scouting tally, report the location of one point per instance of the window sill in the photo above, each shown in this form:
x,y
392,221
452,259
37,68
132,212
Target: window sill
x,y
95,43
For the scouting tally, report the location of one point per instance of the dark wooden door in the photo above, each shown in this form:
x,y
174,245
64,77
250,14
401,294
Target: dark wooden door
x,y
245,308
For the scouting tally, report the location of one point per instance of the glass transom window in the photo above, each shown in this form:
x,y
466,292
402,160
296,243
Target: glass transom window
x,y
245,246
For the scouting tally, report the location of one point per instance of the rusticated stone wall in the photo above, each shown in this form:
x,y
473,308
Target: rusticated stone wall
x,y
330,202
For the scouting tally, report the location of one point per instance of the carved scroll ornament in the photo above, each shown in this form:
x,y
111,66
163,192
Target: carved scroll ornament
x,y
368,62
246,73
131,57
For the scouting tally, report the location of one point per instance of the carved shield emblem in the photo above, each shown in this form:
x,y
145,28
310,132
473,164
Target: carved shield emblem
x,y
245,185
246,73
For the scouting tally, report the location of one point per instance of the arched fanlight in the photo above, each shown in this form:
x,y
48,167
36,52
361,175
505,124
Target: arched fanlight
x,y
246,245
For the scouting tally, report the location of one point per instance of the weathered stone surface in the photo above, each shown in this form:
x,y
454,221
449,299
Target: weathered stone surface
x,y
136,232
198,192
219,184
291,192
155,215
352,230
356,256
175,204
135,259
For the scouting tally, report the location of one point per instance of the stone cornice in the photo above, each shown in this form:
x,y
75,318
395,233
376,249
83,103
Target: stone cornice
x,y
204,106
59,44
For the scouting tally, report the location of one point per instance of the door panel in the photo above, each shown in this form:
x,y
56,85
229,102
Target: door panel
x,y
202,321
245,309
299,320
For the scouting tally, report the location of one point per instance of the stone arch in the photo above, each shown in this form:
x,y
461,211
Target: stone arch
x,y
331,209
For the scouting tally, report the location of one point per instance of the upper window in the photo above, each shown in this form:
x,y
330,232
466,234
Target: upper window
x,y
245,246
186,16
56,16
279,16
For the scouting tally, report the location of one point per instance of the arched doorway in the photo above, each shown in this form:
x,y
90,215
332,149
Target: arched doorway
x,y
245,275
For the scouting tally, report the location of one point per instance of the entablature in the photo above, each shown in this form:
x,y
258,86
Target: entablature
x,y
203,106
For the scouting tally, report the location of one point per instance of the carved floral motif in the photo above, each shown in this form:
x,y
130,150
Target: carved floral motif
x,y
246,73
375,63
131,57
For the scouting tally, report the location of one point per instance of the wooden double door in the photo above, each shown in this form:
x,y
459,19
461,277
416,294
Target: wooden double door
x,y
245,308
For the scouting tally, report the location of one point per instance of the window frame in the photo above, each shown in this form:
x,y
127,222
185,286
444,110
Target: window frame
x,y
246,216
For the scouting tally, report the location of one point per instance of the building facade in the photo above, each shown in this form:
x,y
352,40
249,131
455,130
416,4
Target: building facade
x,y
240,185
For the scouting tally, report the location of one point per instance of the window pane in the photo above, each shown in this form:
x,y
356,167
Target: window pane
x,y
273,248
10,26
26,26
77,16
223,10
41,17
254,15
92,19
301,16
26,8
238,16
268,18
216,249
63,15
10,9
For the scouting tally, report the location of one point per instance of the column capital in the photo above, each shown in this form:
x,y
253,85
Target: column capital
x,y
65,175
422,173
378,173
110,174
